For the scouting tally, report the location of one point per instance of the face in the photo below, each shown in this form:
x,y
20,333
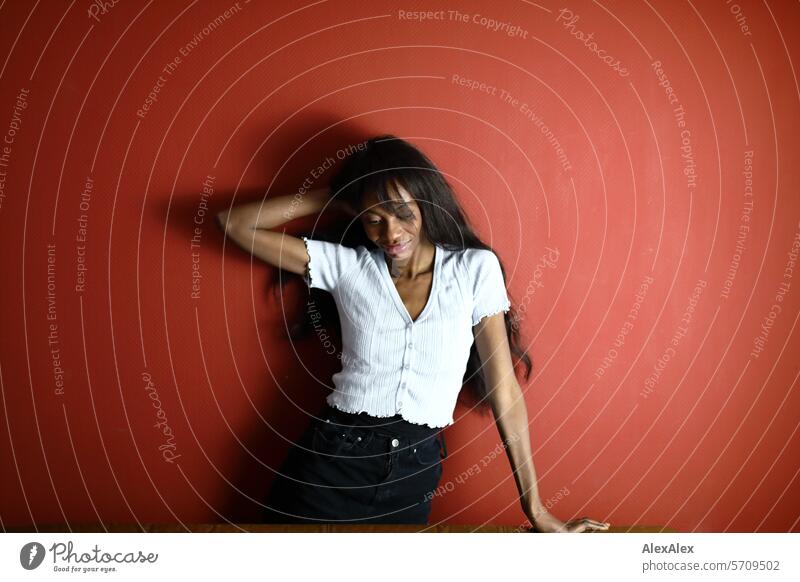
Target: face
x,y
399,233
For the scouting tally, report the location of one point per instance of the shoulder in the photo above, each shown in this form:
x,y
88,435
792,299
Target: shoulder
x,y
329,262
474,262
335,249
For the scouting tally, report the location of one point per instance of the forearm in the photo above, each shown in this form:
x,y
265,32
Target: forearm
x,y
274,211
511,417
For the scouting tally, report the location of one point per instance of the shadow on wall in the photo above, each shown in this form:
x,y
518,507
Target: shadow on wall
x,y
298,375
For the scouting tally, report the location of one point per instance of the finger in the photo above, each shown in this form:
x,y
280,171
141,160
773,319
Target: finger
x,y
585,524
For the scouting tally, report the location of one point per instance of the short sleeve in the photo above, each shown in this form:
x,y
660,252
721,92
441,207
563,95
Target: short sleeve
x,y
327,262
488,287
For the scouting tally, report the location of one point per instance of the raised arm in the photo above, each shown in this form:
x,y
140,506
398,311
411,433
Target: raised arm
x,y
251,227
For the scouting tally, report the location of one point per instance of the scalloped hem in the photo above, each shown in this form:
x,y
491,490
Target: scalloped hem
x,y
376,415
505,309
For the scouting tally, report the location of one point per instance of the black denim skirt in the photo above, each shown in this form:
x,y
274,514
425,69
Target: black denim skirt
x,y
357,468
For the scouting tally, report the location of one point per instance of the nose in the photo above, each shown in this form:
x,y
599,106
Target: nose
x,y
394,232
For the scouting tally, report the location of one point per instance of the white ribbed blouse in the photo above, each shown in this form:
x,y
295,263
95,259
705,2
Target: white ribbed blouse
x,y
392,364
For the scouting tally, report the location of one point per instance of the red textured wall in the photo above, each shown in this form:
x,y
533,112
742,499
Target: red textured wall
x,y
640,185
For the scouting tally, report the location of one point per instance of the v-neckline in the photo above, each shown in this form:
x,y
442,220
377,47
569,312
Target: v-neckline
x,y
387,278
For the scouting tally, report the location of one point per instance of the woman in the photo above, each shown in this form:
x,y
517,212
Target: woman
x,y
421,301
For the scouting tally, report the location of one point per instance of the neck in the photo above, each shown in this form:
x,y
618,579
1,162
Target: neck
x,y
420,262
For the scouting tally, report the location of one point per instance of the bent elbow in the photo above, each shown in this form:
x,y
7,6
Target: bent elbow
x,y
224,221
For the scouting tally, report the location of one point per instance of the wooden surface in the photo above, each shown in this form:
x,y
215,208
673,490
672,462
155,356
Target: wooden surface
x,y
261,528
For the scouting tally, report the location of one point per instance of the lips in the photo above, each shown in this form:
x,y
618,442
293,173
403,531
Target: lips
x,y
396,249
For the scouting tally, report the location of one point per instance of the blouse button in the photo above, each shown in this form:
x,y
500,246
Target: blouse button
x,y
406,366
410,344
395,442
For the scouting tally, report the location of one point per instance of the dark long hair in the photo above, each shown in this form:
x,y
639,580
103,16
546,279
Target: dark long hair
x,y
373,166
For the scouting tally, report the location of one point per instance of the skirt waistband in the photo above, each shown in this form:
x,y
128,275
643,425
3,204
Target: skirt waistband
x,y
394,425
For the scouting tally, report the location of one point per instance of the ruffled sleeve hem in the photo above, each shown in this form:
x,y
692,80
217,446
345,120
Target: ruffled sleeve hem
x,y
307,274
504,309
